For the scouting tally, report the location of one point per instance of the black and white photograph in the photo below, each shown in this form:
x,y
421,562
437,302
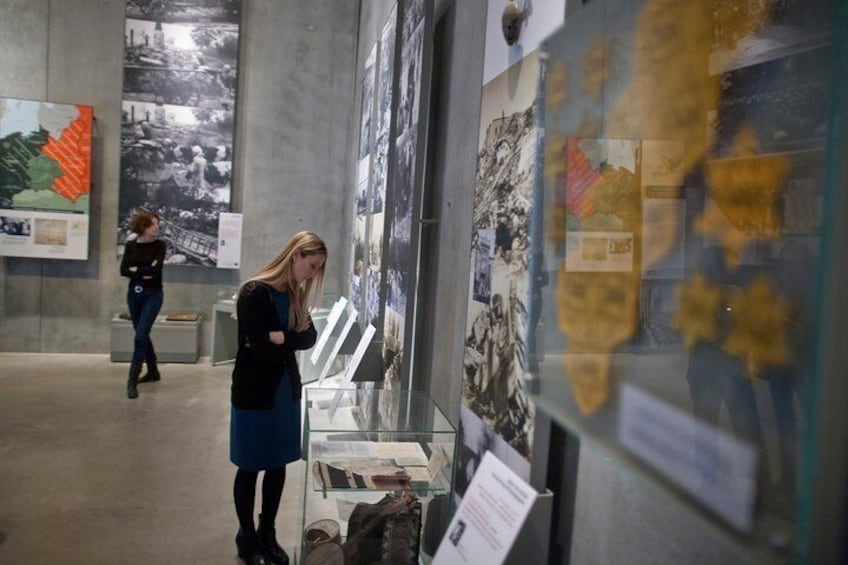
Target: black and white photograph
x,y
215,90
409,79
375,243
17,227
372,296
393,349
211,11
358,269
400,253
361,194
495,343
177,162
779,99
476,438
367,104
178,121
456,533
483,265
380,153
189,47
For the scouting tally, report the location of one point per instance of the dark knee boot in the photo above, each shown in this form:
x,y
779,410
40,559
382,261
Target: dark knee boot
x,y
132,380
152,375
249,548
268,539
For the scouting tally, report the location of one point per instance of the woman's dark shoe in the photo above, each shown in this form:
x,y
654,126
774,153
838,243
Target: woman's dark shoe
x,y
132,381
250,550
268,539
152,375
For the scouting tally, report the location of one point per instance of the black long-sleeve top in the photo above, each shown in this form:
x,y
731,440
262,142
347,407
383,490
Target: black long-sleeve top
x,y
260,363
142,255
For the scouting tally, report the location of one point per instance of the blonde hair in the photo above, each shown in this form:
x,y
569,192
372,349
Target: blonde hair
x,y
279,274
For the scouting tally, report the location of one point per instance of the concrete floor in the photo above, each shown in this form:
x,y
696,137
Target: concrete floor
x,y
88,476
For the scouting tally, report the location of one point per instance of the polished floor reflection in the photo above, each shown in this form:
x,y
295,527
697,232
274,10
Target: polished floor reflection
x,y
88,476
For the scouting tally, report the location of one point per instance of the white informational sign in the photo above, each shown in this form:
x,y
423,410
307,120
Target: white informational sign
x,y
229,240
332,319
351,318
44,235
358,353
489,518
711,465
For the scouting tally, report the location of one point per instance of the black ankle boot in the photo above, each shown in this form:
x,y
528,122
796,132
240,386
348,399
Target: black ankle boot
x,y
152,375
268,538
132,380
250,550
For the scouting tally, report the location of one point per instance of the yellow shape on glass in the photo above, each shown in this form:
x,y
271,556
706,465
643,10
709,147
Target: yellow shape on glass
x,y
589,377
746,186
759,320
557,85
714,222
696,317
595,72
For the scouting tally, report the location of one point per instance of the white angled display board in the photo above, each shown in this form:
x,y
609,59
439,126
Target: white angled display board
x,y
332,320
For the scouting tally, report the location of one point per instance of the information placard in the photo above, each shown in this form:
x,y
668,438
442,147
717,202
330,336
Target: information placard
x,y
351,319
229,240
489,517
332,320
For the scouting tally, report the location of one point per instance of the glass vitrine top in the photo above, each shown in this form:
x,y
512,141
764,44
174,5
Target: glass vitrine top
x,y
387,411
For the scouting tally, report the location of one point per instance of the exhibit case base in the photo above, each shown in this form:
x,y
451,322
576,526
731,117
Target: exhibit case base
x,y
176,341
379,476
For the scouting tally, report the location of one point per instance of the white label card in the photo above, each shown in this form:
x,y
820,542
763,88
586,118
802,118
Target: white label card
x,y
332,319
351,318
489,518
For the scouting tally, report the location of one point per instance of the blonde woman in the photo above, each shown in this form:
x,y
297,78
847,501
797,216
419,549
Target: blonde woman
x,y
273,322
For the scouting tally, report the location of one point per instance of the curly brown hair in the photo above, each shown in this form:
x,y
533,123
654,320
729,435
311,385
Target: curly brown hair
x,y
142,220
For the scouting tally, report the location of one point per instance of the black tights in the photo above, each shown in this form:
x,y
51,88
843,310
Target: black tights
x,y
244,493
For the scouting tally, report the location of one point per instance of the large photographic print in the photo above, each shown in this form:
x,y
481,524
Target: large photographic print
x,y
177,121
404,189
380,168
363,184
495,347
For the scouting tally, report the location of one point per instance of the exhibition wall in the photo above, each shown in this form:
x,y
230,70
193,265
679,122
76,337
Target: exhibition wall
x,y
294,122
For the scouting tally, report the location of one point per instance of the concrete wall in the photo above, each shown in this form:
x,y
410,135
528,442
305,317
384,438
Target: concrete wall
x,y
294,120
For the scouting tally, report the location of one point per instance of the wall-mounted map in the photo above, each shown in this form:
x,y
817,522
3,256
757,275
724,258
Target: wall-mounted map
x,y
45,179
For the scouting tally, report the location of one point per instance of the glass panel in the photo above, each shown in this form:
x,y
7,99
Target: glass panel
x,y
374,450
685,158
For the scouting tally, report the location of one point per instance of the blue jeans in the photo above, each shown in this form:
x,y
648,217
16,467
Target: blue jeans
x,y
144,307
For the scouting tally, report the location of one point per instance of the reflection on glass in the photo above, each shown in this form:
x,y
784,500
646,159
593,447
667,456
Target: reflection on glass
x,y
684,174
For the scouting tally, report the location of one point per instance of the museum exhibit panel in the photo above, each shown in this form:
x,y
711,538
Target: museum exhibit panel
x,y
379,473
45,179
693,186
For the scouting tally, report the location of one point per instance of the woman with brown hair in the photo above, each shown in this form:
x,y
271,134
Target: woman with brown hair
x,y
273,323
142,262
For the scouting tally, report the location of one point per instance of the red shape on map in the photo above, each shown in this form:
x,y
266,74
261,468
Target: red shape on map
x,y
580,178
73,153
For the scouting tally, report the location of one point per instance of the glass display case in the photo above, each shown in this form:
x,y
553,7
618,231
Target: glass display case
x,y
379,475
694,187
